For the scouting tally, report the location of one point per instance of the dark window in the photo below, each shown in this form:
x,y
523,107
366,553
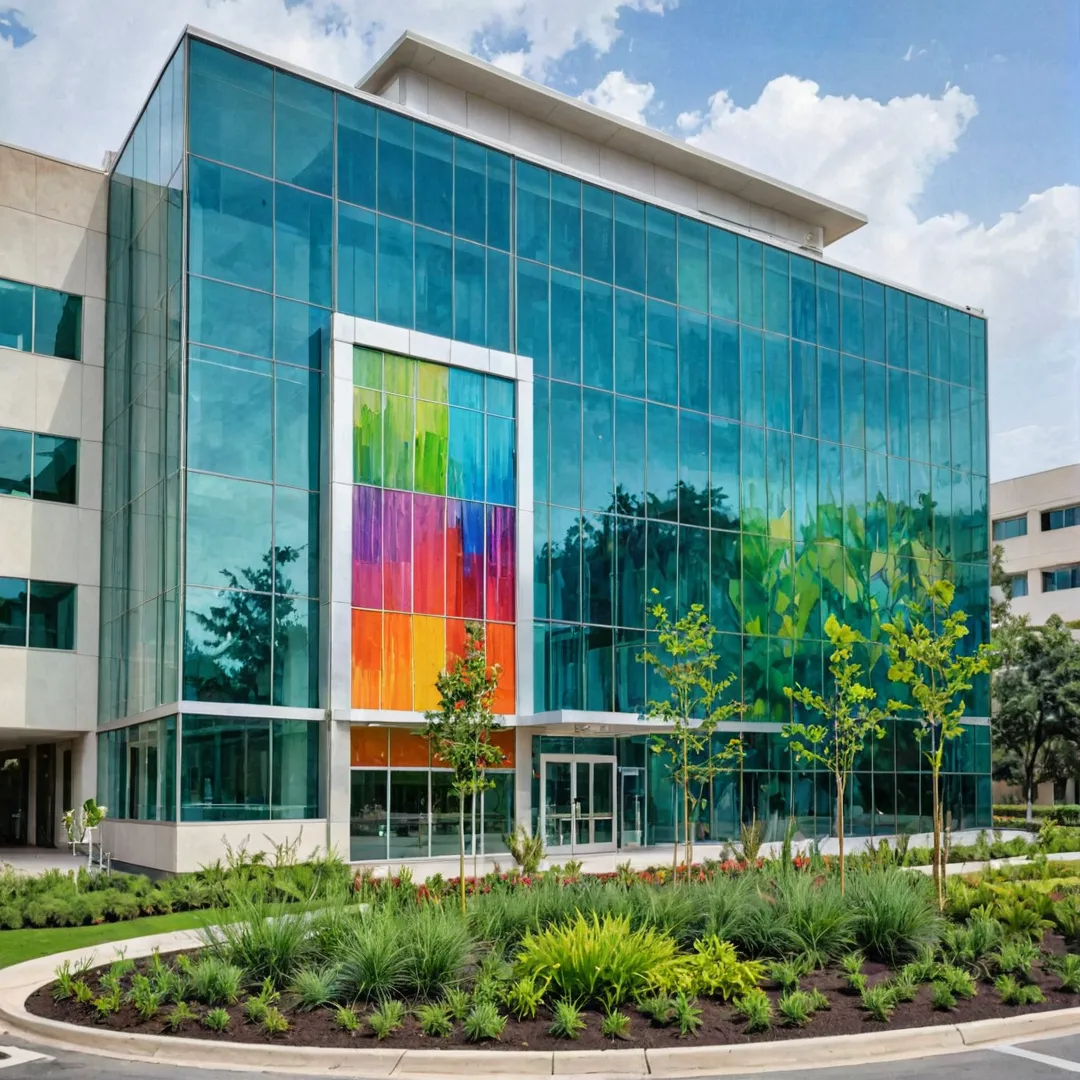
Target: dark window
x,y
33,319
40,614
1007,528
1064,577
1018,586
1063,518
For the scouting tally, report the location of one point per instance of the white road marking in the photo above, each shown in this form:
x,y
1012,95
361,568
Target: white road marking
x,y
1042,1059
15,1055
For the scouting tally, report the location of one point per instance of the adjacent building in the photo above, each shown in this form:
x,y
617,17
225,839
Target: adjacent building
x,y
449,347
1036,520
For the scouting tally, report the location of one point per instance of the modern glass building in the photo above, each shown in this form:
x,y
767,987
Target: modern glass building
x,y
450,346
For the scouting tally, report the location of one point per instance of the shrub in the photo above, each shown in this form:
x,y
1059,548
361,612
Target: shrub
x,y
596,959
852,963
818,1001
879,1001
255,1010
346,1019
904,985
145,998
686,1015
752,836
616,1025
960,982
713,969
1016,957
274,1022
214,982
108,1003
387,1018
316,986
525,849
942,997
374,963
656,1008
566,1019
820,922
756,1009
922,968
524,995
459,1002
1067,970
436,944
435,1020
83,994
180,1014
1013,992
894,914
484,1022
266,941
217,1019
796,1008
973,946
64,987
787,973
1020,918
12,916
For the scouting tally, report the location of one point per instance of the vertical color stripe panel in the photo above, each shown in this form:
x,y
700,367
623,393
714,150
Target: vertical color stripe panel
x,y
465,475
500,563
432,381
455,640
398,442
366,658
455,558
367,585
500,650
429,655
397,551
429,554
397,678
472,577
500,460
367,436
431,438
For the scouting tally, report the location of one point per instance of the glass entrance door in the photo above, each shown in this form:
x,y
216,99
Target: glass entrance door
x,y
631,807
578,809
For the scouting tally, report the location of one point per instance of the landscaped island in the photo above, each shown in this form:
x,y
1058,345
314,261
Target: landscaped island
x,y
730,952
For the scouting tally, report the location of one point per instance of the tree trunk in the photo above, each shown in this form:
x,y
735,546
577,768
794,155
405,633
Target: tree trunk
x,y
686,809
937,841
461,847
840,827
1029,792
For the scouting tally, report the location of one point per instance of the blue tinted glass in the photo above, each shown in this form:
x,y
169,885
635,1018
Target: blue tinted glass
x,y
533,211
918,335
693,264
874,321
876,408
302,245
851,314
565,223
830,495
804,389
296,541
854,495
231,225
16,462
805,483
777,302
470,190
751,350
541,411
829,395
301,334
778,469
661,272
303,133
752,479
978,353
723,275
777,383
959,347
960,408
296,683
978,433
434,178
693,361
919,413
662,382
630,455
395,272
230,108
500,396
896,328
854,394
16,315
598,335
229,317
724,474
725,363
395,165
939,342
532,314
470,293
296,427
565,444
565,326
356,151
629,244
228,532
662,461
598,414
693,469
466,388
57,324
629,343
750,282
939,423
356,261
597,232
498,223
898,413
498,300
803,299
434,283
465,474
828,307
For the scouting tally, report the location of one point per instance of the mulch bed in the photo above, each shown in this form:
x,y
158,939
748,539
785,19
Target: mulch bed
x,y
844,1017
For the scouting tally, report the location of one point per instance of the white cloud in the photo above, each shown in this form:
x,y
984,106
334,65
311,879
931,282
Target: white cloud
x,y
688,121
912,54
1023,269
620,95
76,87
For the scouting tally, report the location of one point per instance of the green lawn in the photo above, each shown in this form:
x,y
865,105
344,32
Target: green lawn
x,y
19,945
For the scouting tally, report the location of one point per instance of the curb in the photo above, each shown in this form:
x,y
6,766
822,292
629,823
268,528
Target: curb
x,y
19,982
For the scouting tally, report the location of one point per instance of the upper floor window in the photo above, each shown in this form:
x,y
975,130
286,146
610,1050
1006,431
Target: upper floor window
x,y
1064,577
37,614
37,466
1064,518
1007,528
1018,586
33,319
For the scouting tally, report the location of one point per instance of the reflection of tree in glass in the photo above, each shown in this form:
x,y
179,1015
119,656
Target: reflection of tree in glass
x,y
232,662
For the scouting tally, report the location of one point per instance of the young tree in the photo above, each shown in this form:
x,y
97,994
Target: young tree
x,y
923,656
459,730
1037,694
694,708
849,718
1000,582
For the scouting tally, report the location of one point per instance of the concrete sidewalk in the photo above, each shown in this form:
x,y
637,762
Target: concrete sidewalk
x,y
35,860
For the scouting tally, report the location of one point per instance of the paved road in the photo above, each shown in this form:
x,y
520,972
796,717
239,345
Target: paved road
x,y
1051,1059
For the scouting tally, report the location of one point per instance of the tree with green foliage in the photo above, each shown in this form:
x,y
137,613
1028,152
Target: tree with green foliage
x,y
1036,722
1001,582
924,656
848,716
695,707
459,731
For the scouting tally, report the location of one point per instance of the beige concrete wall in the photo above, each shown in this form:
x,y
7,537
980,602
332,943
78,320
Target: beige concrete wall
x,y
1038,551
53,233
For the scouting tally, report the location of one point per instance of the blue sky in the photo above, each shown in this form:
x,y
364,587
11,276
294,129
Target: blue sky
x,y
955,126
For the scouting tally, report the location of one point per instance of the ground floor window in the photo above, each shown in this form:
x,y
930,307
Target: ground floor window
x,y
137,771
